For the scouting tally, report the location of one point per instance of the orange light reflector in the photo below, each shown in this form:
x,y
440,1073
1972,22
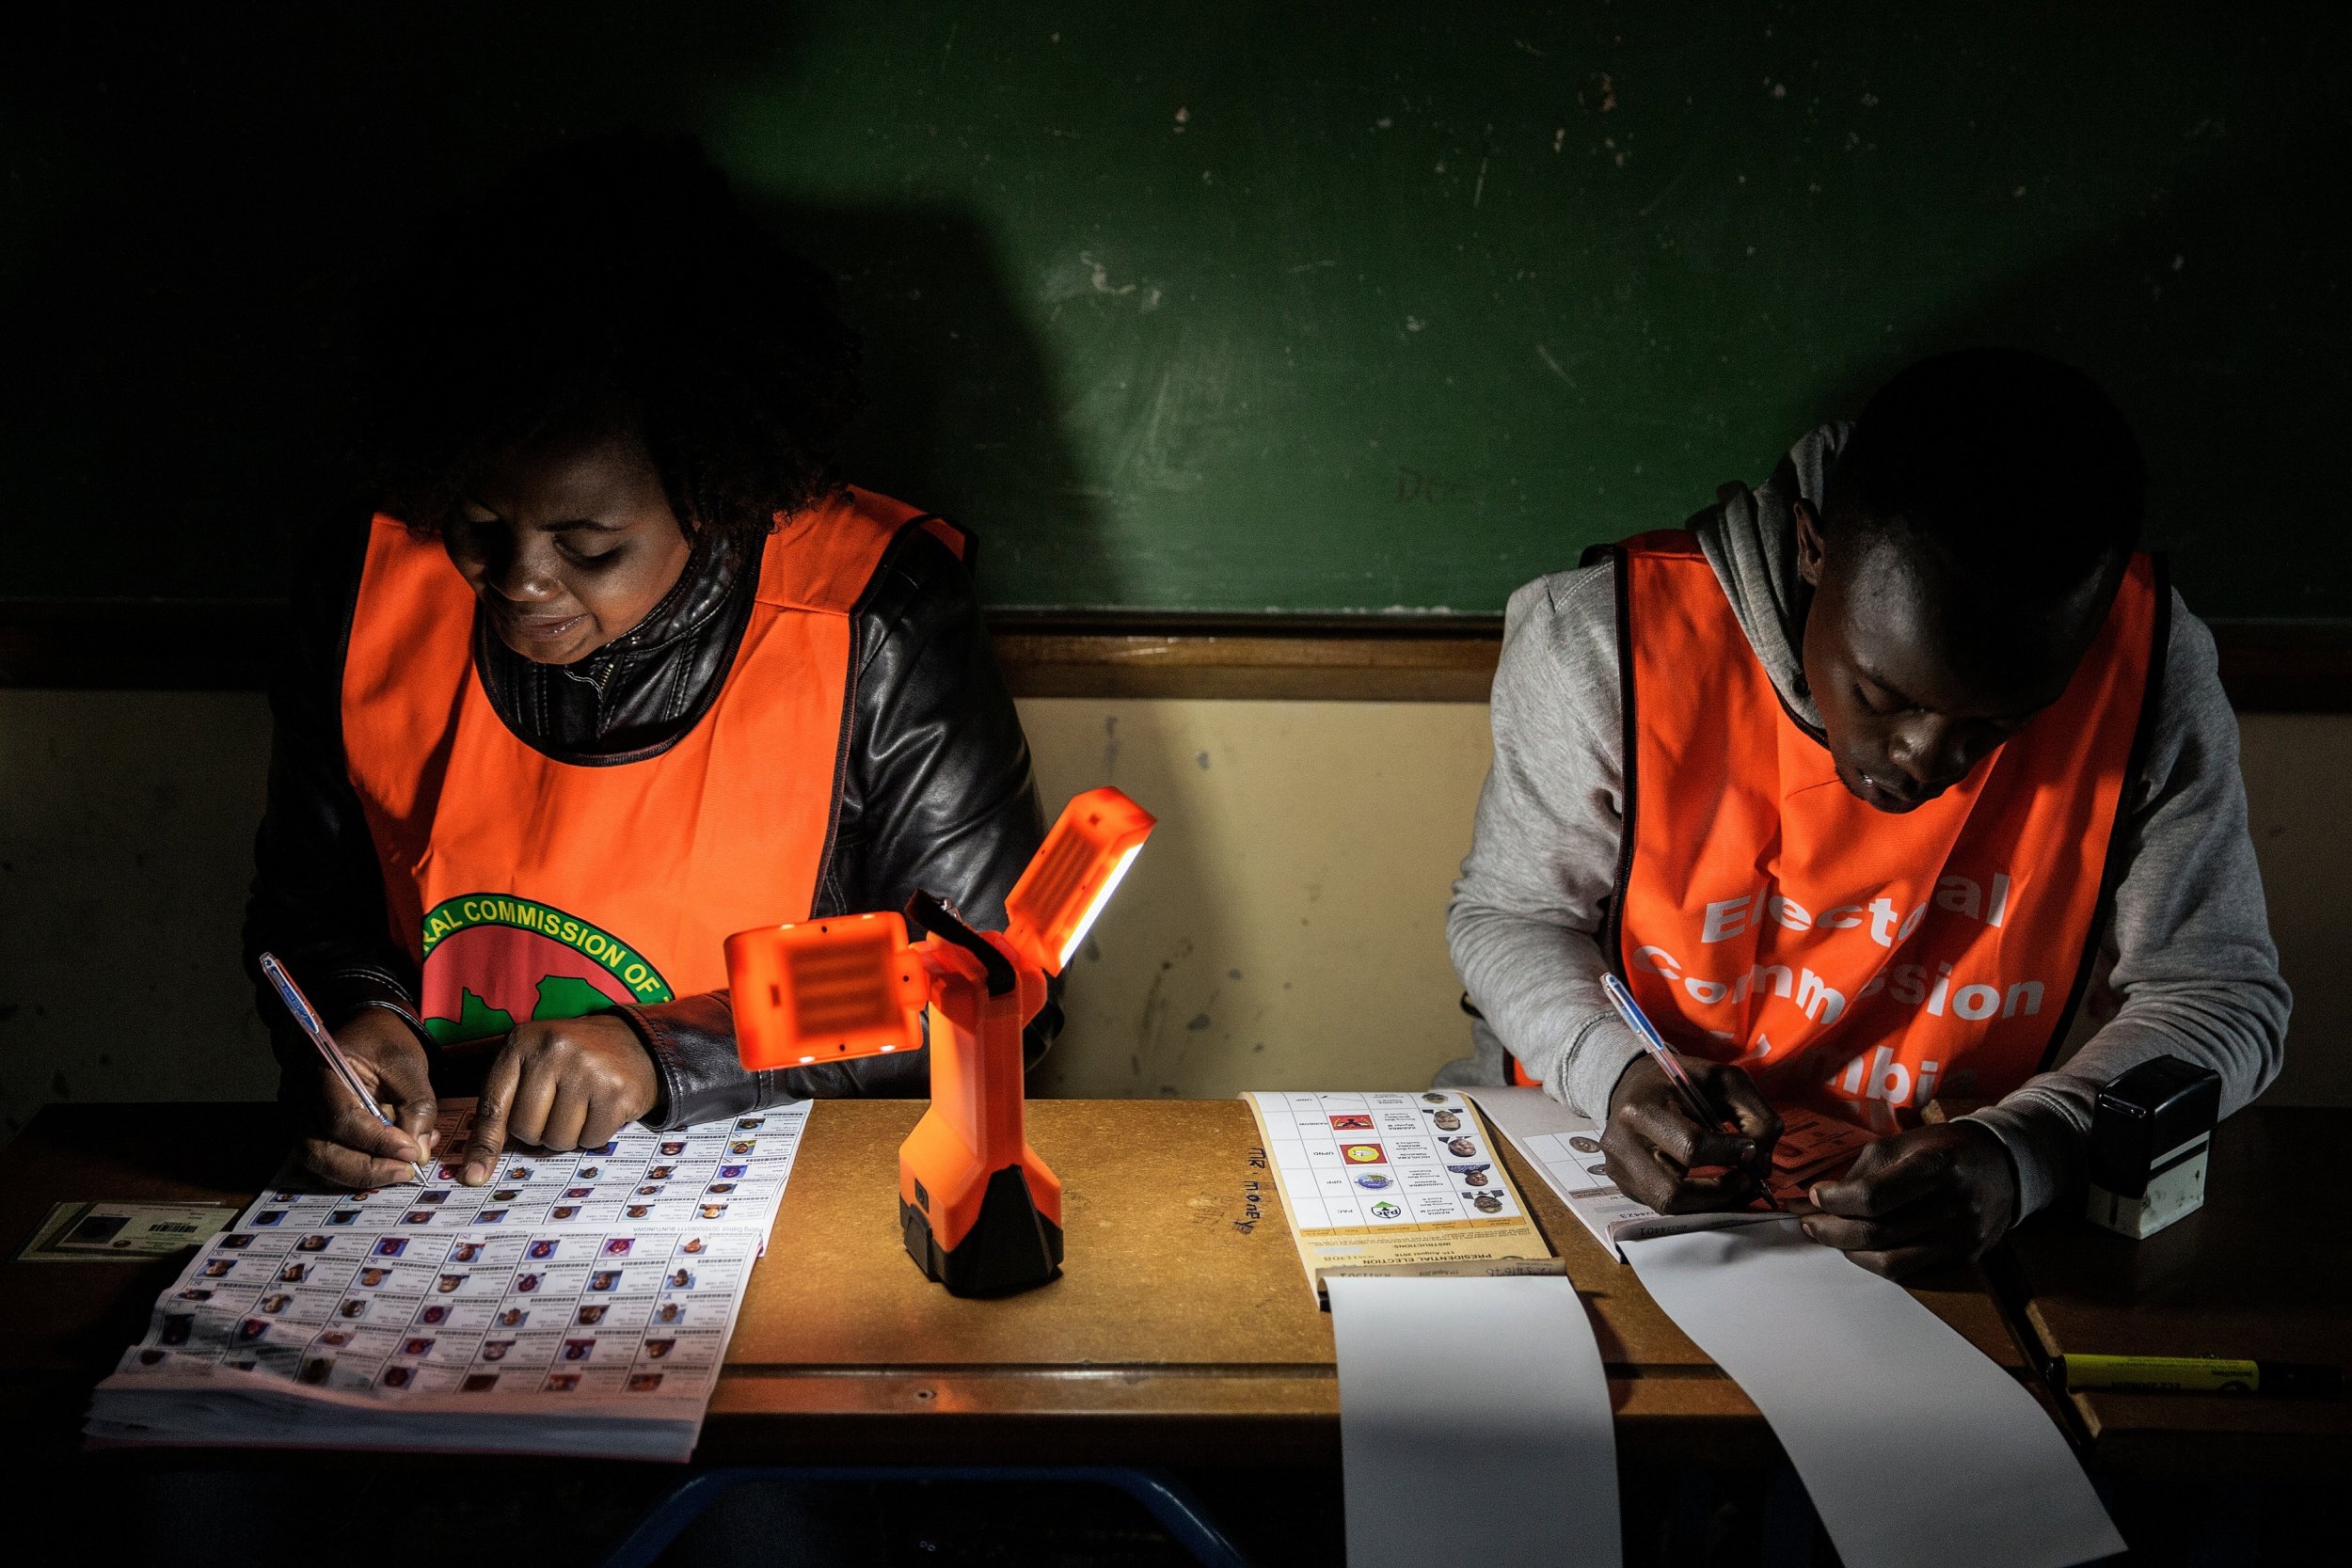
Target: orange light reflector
x,y
1055,903
824,990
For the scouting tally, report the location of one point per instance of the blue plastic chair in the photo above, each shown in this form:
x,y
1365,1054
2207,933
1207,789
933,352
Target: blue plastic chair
x,y
1158,1491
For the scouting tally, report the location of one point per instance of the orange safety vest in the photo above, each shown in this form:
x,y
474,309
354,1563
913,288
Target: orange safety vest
x,y
530,888
1851,961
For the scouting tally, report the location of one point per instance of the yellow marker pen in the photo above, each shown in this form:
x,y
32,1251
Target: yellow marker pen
x,y
2194,1374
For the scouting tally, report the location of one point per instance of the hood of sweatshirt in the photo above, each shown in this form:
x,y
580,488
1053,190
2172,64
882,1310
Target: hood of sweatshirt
x,y
1750,537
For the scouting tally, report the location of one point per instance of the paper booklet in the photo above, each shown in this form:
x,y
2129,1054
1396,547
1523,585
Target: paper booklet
x,y
1394,1180
1566,1148
548,1318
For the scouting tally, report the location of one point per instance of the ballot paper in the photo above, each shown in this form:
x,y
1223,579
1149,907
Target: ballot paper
x,y
1389,1180
1918,1450
566,1342
1812,1146
1500,1450
1566,1148
729,1172
584,1331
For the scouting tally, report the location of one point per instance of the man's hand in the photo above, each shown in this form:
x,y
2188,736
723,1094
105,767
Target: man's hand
x,y
1922,1200
1653,1145
351,1147
560,1083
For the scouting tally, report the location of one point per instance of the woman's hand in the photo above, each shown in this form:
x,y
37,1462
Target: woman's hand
x,y
566,1083
1652,1143
1931,1196
351,1147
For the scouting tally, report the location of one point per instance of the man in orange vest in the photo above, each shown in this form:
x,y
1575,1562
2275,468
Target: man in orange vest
x,y
1870,784
624,667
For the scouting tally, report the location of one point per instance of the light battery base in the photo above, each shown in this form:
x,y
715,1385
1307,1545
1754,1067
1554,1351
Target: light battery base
x,y
1011,1247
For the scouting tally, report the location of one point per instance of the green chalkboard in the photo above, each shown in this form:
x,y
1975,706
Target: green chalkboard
x,y
1226,306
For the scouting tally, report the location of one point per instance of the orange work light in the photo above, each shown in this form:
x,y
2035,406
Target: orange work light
x,y
980,1211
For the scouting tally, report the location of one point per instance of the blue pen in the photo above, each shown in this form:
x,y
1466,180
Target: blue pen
x,y
314,1026
1668,1063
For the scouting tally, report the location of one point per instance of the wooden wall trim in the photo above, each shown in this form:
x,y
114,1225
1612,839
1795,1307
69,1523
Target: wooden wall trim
x,y
139,644
1449,659
2285,667
2268,667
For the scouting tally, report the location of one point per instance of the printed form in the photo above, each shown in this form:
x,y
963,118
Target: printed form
x,y
1390,1179
729,1172
582,1307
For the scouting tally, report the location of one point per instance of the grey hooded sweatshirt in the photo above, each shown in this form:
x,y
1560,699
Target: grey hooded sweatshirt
x,y
2185,968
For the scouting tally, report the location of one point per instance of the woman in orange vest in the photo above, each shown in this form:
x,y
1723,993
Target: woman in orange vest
x,y
1869,783
621,668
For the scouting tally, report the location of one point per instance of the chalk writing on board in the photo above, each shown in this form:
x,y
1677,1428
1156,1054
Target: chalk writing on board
x,y
1414,486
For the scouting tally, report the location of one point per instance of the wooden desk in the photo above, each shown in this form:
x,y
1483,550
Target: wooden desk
x,y
1180,1332
2263,1270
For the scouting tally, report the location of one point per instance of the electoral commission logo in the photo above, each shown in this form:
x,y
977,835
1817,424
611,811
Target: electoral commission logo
x,y
492,960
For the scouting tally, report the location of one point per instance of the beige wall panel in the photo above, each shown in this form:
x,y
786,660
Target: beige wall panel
x,y
1285,928
2299,804
126,842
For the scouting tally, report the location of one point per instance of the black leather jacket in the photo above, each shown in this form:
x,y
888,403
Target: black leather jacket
x,y
935,794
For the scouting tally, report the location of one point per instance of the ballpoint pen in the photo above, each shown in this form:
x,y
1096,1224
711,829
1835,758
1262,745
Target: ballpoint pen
x,y
314,1026
1669,1064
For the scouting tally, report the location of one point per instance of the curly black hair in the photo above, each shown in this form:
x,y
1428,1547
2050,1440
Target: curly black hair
x,y
613,283
2013,468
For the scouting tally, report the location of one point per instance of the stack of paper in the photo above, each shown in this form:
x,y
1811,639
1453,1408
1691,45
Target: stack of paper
x,y
579,1302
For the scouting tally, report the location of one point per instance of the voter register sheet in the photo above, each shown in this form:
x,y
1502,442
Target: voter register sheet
x,y
1380,1180
577,1303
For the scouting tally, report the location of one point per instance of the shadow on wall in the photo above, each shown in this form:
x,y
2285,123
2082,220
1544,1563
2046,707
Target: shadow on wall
x,y
193,202
961,406
1142,998
194,208
1286,927
2215,320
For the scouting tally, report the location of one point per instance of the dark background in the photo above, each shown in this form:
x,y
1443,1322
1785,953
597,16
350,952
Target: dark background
x,y
1222,306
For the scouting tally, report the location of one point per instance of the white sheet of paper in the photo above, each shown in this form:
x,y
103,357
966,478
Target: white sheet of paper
x,y
1918,1450
1474,1424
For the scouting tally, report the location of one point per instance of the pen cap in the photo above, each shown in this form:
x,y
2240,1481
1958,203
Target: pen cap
x,y
2148,1119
